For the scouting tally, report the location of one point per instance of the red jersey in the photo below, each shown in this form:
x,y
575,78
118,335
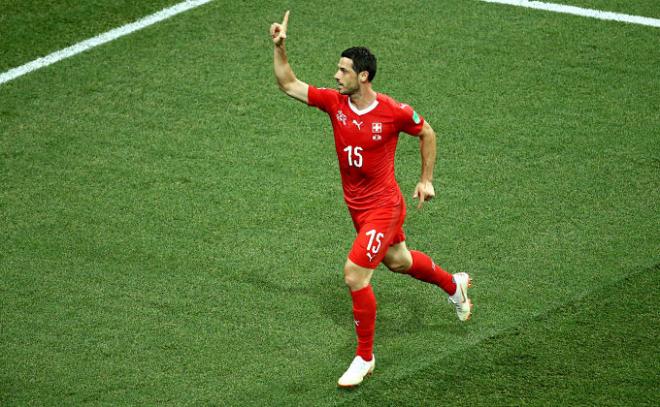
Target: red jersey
x,y
365,141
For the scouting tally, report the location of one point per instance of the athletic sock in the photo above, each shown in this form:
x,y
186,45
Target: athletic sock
x,y
364,313
424,269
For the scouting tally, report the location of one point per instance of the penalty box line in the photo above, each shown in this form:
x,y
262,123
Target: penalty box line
x,y
100,39
579,11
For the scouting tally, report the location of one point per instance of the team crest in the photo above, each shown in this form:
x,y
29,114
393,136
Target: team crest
x,y
341,117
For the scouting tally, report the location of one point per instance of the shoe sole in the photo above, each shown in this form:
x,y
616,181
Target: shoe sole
x,y
469,285
350,386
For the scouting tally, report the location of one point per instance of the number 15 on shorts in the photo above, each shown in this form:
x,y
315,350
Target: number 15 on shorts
x,y
375,240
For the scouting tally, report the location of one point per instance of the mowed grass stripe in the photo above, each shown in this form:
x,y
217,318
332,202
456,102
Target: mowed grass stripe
x,y
600,349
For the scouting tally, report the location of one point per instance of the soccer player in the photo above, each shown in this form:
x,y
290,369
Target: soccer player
x,y
366,126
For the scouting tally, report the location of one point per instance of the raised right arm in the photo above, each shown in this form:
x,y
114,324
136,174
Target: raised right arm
x,y
286,79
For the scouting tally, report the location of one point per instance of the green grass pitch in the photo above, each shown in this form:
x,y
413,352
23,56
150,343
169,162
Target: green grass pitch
x,y
172,227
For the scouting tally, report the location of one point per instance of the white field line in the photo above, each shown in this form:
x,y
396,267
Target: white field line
x,y
100,39
578,11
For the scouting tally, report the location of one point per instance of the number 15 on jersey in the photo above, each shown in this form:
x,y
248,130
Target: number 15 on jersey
x,y
354,156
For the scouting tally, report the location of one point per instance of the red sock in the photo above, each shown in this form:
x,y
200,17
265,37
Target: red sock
x,y
424,269
364,312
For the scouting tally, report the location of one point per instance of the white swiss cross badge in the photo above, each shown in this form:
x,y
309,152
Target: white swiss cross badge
x,y
376,129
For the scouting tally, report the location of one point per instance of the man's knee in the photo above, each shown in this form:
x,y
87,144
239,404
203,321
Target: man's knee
x,y
398,260
398,266
355,282
356,277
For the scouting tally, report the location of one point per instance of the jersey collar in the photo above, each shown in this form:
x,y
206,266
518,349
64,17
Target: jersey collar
x,y
366,110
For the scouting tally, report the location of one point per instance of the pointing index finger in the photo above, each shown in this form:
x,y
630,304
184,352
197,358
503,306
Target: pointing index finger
x,y
285,22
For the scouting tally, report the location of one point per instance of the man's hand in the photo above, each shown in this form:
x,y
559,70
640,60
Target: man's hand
x,y
278,31
286,79
424,192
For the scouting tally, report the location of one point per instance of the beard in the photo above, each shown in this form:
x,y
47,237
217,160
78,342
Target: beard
x,y
344,90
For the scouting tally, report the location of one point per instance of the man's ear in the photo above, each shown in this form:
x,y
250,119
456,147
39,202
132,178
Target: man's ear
x,y
364,76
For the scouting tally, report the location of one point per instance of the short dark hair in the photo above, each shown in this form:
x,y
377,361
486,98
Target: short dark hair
x,y
363,60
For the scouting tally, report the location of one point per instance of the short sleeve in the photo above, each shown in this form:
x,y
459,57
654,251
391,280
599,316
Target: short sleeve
x,y
322,98
409,120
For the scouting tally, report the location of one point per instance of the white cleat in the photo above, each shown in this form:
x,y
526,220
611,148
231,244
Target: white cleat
x,y
459,298
356,372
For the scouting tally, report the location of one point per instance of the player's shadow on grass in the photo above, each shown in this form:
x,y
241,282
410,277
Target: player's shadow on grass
x,y
403,306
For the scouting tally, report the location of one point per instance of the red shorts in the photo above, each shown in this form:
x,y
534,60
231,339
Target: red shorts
x,y
377,230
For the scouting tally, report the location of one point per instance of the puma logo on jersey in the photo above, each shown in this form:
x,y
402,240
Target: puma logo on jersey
x,y
355,122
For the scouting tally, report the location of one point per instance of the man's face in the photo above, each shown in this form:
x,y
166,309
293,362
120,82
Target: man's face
x,y
346,77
